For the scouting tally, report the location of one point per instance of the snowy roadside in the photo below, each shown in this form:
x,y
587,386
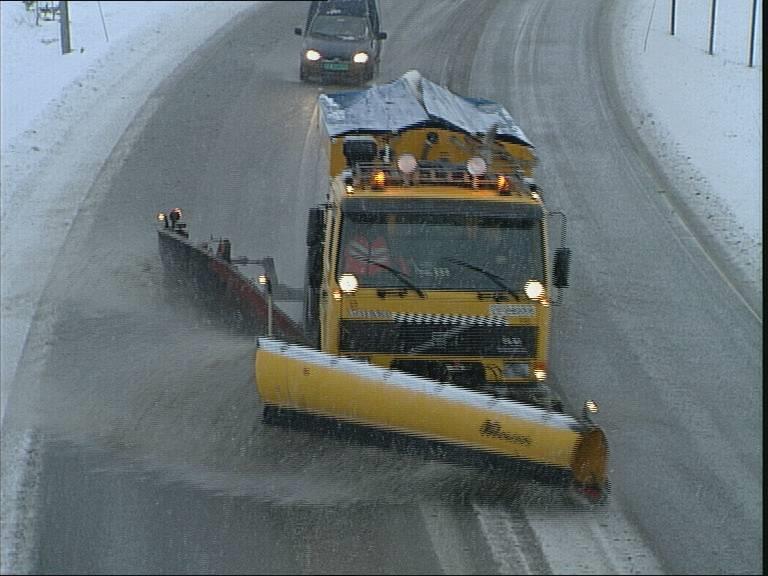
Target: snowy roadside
x,y
62,134
53,149
700,116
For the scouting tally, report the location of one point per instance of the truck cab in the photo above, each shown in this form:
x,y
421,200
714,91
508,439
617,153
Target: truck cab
x,y
432,257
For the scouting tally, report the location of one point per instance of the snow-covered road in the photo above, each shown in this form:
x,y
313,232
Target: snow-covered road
x,y
701,114
62,116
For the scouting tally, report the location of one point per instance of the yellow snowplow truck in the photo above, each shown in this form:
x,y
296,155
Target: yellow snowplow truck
x,y
429,283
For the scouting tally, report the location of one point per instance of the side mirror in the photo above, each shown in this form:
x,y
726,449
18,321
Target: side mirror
x,y
562,264
297,31
382,35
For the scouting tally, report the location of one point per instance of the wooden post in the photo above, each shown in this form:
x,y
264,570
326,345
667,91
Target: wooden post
x,y
752,35
66,47
672,19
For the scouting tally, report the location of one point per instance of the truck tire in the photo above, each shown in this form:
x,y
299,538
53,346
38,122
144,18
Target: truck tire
x,y
270,413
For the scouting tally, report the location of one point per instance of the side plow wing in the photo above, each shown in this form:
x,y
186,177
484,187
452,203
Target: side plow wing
x,y
221,285
298,378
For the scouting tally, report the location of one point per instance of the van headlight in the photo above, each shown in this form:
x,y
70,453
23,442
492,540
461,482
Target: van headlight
x,y
312,55
360,58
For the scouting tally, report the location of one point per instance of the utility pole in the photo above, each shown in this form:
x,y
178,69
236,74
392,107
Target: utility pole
x,y
752,35
712,19
66,47
672,19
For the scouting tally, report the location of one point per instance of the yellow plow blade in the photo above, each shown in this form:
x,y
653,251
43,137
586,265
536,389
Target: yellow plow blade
x,y
303,379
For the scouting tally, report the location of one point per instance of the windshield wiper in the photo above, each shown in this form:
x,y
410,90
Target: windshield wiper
x,y
396,273
490,275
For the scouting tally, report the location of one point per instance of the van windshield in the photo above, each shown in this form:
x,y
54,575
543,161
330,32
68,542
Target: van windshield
x,y
343,7
343,27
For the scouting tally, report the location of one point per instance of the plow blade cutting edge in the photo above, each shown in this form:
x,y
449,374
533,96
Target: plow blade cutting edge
x,y
301,379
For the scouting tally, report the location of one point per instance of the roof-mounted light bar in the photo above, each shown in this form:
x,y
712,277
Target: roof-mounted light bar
x,y
476,166
408,171
407,163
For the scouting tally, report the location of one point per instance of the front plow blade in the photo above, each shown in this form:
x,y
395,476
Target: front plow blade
x,y
302,379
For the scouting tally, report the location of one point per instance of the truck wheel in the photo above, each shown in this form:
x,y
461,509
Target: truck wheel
x,y
270,413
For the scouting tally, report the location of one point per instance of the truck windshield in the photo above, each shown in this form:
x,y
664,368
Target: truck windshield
x,y
442,251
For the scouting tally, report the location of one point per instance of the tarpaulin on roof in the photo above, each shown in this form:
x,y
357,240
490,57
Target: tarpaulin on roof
x,y
411,101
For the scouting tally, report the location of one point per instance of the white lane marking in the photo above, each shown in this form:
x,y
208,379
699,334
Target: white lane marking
x,y
19,493
501,532
447,540
590,541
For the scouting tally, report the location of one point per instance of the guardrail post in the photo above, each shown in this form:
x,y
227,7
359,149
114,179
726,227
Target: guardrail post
x,y
752,35
66,46
672,19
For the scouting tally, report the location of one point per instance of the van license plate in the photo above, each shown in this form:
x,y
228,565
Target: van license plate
x,y
335,66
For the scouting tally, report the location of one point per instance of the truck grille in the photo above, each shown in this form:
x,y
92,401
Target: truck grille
x,y
437,339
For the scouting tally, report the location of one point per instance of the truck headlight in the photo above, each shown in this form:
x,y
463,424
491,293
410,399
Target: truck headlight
x,y
348,283
360,58
534,289
312,55
516,370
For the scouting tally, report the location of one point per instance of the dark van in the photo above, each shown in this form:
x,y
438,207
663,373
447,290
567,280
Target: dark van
x,y
342,41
